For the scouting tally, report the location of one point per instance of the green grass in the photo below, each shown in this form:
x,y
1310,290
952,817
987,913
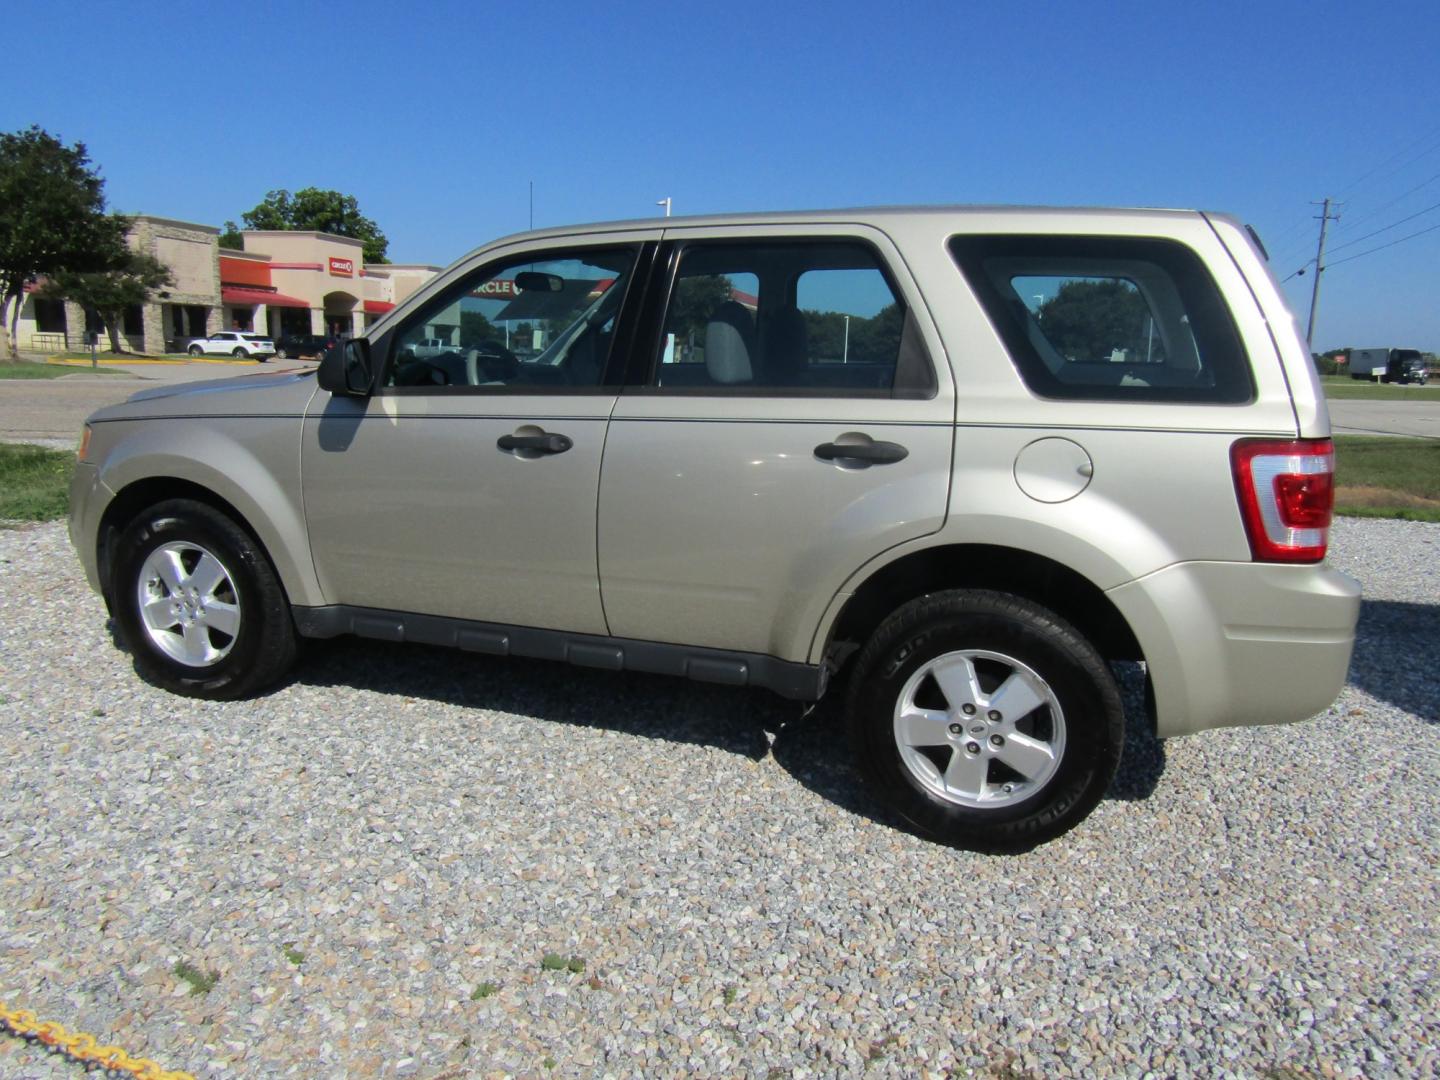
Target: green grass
x,y
26,370
201,982
34,482
1387,477
1343,387
484,990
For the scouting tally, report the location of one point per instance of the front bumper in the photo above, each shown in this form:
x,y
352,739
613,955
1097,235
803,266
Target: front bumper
x,y
88,500
1231,644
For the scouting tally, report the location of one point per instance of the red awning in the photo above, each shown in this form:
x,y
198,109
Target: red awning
x,y
378,307
239,294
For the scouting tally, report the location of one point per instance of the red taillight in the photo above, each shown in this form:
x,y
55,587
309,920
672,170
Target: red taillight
x,y
1287,492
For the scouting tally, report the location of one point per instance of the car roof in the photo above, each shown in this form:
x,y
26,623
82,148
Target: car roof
x,y
994,216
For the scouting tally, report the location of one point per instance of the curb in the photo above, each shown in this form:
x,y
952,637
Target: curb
x,y
58,361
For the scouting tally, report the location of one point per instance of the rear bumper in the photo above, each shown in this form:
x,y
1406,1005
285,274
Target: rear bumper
x,y
1231,644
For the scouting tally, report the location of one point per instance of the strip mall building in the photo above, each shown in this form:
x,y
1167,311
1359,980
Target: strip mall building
x,y
281,283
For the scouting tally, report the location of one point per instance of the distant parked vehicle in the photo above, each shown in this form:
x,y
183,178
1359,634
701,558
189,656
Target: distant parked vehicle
x,y
233,343
425,348
302,345
1388,365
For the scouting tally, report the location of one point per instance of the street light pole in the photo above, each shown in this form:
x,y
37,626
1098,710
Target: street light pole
x,y
665,202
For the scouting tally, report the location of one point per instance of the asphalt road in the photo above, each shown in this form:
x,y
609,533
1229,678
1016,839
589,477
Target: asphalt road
x,y
1420,418
51,411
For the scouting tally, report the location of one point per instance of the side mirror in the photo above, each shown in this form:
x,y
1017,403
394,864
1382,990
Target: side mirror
x,y
345,368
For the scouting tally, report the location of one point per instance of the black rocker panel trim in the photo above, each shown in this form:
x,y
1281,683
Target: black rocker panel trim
x,y
799,682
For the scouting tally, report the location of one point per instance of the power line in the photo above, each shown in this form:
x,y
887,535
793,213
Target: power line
x,y
1285,240
1398,198
1428,150
1382,247
1387,228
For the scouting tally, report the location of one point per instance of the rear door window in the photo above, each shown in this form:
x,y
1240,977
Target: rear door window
x,y
781,317
1107,318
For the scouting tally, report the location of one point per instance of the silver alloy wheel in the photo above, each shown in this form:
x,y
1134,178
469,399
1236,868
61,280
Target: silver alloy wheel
x,y
188,604
979,729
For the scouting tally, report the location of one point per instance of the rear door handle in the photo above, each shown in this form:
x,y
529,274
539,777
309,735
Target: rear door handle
x,y
874,453
544,443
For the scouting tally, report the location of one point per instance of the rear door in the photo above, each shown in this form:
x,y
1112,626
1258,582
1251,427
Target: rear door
x,y
789,417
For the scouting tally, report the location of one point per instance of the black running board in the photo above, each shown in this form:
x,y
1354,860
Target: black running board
x,y
800,682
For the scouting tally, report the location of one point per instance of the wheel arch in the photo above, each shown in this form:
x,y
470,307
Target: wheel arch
x,y
1035,577
258,506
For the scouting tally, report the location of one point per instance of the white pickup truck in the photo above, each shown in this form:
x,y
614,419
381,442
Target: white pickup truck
x,y
425,348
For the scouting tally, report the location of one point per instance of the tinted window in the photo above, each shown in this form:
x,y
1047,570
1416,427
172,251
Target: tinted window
x,y
796,317
1104,318
544,321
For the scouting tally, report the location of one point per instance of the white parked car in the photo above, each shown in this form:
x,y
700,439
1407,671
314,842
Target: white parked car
x,y
233,343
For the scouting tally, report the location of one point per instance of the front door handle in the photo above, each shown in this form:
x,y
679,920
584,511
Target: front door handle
x,y
874,453
544,443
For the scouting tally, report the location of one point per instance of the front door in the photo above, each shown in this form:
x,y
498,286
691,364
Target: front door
x,y
466,485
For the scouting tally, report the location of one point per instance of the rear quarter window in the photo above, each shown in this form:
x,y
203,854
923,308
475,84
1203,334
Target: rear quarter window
x,y
1108,318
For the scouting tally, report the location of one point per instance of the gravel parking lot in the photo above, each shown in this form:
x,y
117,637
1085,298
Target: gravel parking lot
x,y
374,861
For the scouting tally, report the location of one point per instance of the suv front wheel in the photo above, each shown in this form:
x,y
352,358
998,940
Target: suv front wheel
x,y
199,604
985,720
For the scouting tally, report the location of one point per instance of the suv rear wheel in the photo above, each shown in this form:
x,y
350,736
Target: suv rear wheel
x,y
985,720
199,604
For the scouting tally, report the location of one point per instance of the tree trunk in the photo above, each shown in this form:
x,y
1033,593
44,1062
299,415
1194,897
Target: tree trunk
x,y
111,319
11,323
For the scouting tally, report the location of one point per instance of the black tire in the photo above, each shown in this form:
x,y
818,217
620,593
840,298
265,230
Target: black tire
x,y
196,350
281,354
997,635
262,647
239,354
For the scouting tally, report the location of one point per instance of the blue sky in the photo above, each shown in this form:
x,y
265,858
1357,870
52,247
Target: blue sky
x,y
437,117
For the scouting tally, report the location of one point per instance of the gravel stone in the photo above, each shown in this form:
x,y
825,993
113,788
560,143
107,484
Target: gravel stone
x,y
353,855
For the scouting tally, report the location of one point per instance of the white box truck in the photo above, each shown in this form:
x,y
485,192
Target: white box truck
x,y
1388,365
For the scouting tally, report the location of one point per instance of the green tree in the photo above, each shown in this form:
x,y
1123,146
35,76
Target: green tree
x,y
52,218
230,237
695,302
876,340
1089,320
475,328
110,292
873,340
313,209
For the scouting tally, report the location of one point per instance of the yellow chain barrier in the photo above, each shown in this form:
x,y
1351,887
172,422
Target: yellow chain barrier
x,y
80,1047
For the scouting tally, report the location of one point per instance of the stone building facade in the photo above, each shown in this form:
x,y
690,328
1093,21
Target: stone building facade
x,y
190,307
280,283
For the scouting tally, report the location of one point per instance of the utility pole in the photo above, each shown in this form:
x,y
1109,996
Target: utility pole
x,y
1325,218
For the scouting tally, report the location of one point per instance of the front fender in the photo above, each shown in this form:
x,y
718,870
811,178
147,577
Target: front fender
x,y
251,463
